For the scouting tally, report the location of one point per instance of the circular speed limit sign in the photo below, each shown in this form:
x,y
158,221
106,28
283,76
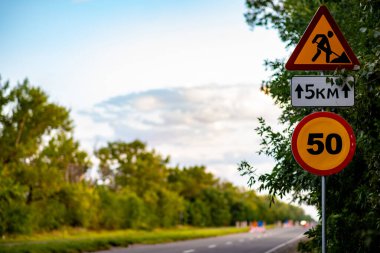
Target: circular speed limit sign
x,y
323,143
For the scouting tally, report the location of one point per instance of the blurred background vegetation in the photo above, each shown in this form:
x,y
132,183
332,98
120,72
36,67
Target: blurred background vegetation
x,y
44,187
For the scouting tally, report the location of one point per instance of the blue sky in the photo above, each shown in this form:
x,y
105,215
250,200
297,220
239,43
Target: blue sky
x,y
100,48
182,76
88,54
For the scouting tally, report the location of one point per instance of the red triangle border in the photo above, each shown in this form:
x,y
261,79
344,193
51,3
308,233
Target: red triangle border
x,y
322,11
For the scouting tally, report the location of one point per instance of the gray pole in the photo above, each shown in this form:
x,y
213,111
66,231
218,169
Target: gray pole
x,y
323,209
323,214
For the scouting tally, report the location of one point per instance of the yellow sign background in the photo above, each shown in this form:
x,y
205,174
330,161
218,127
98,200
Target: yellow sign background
x,y
309,49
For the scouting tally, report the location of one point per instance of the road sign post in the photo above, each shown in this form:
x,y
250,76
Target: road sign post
x,y
323,214
322,143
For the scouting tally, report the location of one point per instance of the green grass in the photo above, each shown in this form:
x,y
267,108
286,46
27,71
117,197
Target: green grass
x,y
79,240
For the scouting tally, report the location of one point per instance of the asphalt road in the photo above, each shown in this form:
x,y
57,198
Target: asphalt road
x,y
272,241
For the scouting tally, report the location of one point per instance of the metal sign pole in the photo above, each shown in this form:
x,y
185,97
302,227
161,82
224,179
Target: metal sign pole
x,y
323,214
323,208
349,61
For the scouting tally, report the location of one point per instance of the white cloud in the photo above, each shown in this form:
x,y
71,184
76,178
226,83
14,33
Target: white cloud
x,y
147,103
91,132
211,125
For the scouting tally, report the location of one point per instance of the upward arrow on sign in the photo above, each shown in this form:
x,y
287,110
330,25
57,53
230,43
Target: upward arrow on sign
x,y
299,91
346,89
315,91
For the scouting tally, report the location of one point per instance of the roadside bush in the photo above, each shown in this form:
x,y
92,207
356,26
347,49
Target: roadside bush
x,y
132,210
170,208
48,214
14,213
81,202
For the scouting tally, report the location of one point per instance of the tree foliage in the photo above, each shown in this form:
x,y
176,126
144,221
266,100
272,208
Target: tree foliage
x,y
43,184
131,165
37,155
353,195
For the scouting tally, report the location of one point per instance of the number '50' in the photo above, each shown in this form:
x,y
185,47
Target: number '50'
x,y
317,141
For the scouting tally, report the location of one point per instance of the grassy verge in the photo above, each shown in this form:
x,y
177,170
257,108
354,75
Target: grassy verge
x,y
74,241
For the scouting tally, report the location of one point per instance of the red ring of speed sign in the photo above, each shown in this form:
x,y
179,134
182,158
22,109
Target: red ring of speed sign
x,y
323,143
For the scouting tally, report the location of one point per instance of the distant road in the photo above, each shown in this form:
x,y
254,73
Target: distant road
x,y
271,241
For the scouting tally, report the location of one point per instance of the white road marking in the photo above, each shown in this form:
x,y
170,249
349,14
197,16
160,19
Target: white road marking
x,y
188,251
285,243
211,246
228,243
241,240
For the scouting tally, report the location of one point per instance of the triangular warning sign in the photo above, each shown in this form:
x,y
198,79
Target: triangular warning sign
x,y
322,46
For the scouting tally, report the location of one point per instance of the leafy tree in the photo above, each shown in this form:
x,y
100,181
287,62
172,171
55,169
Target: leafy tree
x,y
133,210
132,165
199,213
352,207
47,214
43,187
38,157
110,214
26,117
80,203
189,182
14,216
63,153
207,203
218,205
170,207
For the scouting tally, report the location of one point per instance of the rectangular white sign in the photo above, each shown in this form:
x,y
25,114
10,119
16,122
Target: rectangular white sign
x,y
314,91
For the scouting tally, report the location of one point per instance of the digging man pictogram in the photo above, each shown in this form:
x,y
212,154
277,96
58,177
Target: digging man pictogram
x,y
324,45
